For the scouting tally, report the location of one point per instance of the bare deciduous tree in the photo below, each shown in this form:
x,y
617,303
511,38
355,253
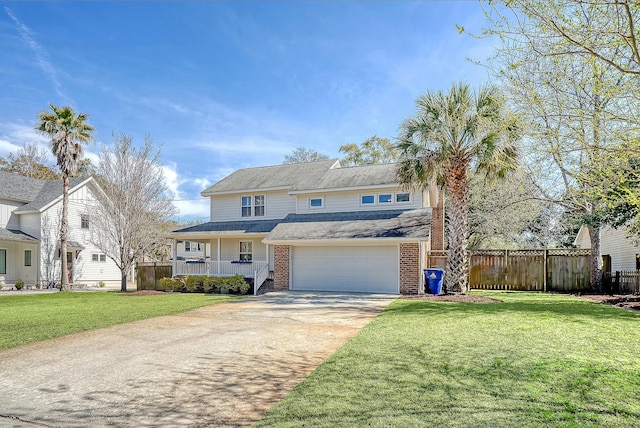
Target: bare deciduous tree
x,y
133,205
303,154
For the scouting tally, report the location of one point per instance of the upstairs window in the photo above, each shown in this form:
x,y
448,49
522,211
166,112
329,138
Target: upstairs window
x,y
253,205
258,205
402,197
368,199
316,203
246,206
84,221
385,198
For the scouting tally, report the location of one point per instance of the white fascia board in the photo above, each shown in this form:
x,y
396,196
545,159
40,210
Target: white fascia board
x,y
59,198
194,236
343,242
343,189
244,191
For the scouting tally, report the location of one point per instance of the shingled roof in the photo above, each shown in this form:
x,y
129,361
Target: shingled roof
x,y
300,177
49,192
18,188
414,224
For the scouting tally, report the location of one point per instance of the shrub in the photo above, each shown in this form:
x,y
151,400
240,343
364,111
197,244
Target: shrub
x,y
238,285
19,284
206,284
101,284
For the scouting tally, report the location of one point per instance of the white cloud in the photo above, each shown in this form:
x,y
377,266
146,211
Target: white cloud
x,y
14,135
196,207
40,53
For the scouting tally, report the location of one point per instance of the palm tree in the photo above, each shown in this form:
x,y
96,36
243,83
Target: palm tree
x,y
451,134
68,131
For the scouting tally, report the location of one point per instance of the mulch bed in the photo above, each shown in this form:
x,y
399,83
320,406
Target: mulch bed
x,y
622,301
463,298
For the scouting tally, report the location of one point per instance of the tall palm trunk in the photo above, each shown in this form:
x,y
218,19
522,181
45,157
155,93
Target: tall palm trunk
x,y
457,184
596,260
64,281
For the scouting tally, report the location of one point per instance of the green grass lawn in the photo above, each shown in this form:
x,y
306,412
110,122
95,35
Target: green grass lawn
x,y
35,317
538,360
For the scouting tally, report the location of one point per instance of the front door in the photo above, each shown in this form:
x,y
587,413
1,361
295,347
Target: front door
x,y
70,267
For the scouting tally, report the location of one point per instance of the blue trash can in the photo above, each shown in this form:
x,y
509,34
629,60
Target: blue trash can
x,y
433,280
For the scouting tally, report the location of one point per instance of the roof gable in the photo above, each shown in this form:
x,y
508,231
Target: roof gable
x,y
49,193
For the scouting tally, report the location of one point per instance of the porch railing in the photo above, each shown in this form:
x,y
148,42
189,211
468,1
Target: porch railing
x,y
216,268
260,276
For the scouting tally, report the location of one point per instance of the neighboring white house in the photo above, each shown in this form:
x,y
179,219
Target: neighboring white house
x,y
188,250
619,252
315,226
30,212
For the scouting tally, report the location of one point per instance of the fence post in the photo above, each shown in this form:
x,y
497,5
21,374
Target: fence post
x,y
544,269
618,281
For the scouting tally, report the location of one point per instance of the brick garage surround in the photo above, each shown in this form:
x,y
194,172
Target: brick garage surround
x,y
281,263
409,268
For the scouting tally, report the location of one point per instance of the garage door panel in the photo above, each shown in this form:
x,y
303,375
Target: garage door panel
x,y
360,269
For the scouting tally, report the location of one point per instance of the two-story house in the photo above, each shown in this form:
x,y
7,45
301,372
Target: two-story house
x,y
30,212
315,226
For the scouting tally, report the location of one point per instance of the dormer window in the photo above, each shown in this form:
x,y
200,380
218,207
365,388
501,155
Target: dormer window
x,y
253,205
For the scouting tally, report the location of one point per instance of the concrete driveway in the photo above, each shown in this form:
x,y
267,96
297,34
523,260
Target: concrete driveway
x,y
220,366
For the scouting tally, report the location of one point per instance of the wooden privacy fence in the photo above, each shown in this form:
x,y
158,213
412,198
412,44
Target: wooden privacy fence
x,y
530,270
148,275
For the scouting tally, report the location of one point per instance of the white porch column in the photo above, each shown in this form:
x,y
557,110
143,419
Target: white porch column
x,y
267,249
204,254
174,251
218,267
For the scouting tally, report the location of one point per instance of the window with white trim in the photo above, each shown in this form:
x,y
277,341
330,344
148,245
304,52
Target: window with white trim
x,y
402,198
246,251
367,199
316,202
253,206
192,246
385,198
258,205
98,258
27,257
84,221
246,206
3,262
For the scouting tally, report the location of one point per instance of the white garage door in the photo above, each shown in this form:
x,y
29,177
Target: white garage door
x,y
361,269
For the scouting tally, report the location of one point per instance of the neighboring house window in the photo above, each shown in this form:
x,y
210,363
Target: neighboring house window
x,y
385,198
98,258
246,250
192,246
27,257
3,262
258,202
316,202
84,221
246,206
402,197
368,199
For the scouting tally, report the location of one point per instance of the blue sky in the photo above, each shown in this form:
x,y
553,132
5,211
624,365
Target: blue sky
x,y
227,85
